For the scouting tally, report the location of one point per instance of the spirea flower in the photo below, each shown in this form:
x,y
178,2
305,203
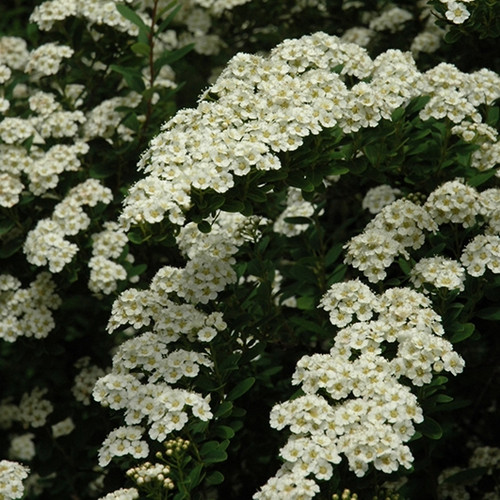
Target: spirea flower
x,y
12,475
439,272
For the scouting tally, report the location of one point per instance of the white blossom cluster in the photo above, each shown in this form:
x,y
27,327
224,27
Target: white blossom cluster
x,y
456,95
63,427
403,224
122,494
107,245
32,411
440,272
47,243
146,366
392,20
354,403
46,59
12,475
482,135
123,441
296,206
252,117
430,38
148,472
22,447
218,6
95,11
258,107
378,197
105,121
27,311
85,380
456,10
397,227
164,408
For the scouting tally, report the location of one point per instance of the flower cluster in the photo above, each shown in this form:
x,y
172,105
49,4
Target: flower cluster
x,y
439,272
148,472
122,494
397,227
22,447
32,411
123,441
27,311
85,380
46,243
95,11
482,135
63,428
107,245
392,19
163,406
403,224
296,206
46,59
12,475
456,10
354,403
378,197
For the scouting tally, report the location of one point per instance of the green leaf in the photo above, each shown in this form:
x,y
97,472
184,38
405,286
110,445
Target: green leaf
x,y
215,478
132,122
404,265
137,270
215,456
6,225
333,254
430,428
439,380
374,152
452,36
481,177
224,432
492,116
489,313
224,409
241,388
141,49
132,76
337,170
233,206
166,22
172,56
462,333
306,303
204,226
136,237
307,325
194,477
467,476
417,104
297,220
443,398
10,248
132,16
337,275
397,114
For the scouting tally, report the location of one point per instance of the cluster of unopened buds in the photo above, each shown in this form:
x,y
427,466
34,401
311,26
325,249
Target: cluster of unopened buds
x,y
148,472
176,446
